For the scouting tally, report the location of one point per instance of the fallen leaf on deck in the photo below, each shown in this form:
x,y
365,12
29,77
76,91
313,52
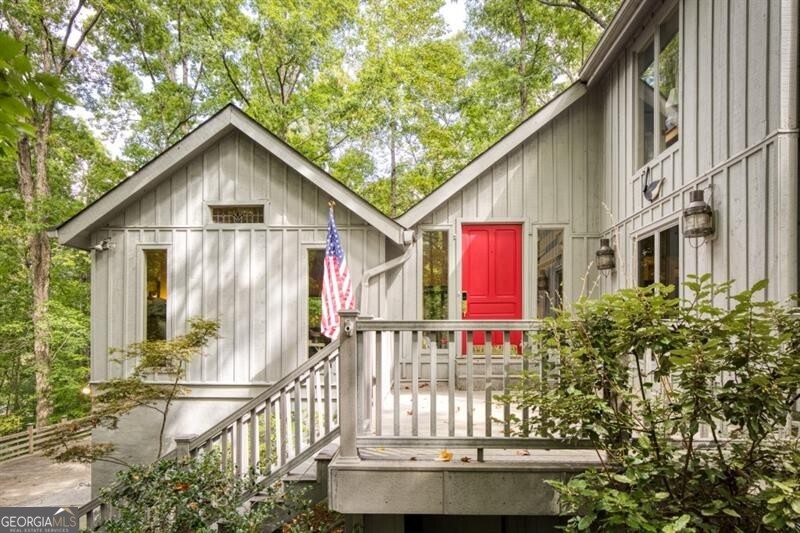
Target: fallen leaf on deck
x,y
465,459
523,452
413,459
445,455
410,412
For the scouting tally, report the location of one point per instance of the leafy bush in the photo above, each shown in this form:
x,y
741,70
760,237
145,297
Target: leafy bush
x,y
696,443
189,494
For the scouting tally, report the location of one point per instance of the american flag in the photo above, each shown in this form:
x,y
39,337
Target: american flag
x,y
337,290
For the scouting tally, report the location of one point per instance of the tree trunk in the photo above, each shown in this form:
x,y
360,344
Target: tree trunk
x,y
393,172
35,189
521,64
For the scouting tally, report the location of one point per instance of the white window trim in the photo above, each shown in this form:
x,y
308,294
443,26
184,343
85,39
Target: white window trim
x,y
655,229
303,307
208,204
566,259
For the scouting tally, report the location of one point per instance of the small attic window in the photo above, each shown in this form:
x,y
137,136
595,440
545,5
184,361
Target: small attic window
x,y
237,214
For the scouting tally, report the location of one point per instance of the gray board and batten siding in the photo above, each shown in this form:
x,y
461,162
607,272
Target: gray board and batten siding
x,y
738,141
250,277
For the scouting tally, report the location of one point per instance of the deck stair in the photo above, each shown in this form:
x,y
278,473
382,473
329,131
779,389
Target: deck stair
x,y
280,432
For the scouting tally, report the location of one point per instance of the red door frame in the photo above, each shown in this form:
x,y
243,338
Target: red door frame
x,y
507,306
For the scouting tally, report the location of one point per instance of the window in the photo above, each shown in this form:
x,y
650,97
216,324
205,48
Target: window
x,y
658,88
659,259
435,273
316,269
550,271
156,294
237,214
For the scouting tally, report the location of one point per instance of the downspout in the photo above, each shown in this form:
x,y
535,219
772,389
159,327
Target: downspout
x,y
409,238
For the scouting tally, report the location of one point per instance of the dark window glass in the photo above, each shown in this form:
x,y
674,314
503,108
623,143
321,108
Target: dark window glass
x,y
316,266
647,261
435,273
549,278
238,214
647,83
669,259
156,294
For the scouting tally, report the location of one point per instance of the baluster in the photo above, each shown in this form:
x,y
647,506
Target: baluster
x,y
416,350
238,447
488,409
268,435
379,383
253,439
488,351
396,356
451,382
298,416
328,398
506,378
284,437
223,444
469,383
312,406
433,384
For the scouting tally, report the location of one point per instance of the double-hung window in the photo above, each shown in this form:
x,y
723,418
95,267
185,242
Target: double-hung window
x,y
658,90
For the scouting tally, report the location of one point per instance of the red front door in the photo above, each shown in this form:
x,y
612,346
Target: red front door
x,y
491,277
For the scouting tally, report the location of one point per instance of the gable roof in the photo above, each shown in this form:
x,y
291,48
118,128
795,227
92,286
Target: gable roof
x,y
77,230
491,155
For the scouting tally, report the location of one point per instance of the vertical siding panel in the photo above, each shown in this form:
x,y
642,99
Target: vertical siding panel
x,y
226,301
147,212
260,172
773,66
274,261
484,195
774,241
705,72
690,91
546,196
563,181
737,48
164,203
258,308
195,192
516,207
737,226
293,215
227,167
132,214
99,314
756,218
719,101
179,197
291,252
719,252
194,291
309,202
176,264
210,305
211,173
757,57
578,158
241,306
244,169
499,189
530,174
131,291
115,317
277,191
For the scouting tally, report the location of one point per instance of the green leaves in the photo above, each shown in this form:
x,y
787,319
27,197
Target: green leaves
x,y
686,402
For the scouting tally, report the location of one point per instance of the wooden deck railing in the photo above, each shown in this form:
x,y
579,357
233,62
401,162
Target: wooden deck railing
x,y
37,439
454,410
269,435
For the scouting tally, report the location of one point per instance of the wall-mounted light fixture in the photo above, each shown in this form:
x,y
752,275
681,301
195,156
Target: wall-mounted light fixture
x,y
698,217
102,246
605,256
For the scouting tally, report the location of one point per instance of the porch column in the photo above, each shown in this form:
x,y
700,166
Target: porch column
x,y
348,385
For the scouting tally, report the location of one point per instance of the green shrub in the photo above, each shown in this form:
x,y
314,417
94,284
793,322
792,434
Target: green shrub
x,y
696,444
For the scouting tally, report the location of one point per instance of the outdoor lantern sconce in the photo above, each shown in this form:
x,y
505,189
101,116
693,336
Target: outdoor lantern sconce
x,y
698,218
542,283
605,256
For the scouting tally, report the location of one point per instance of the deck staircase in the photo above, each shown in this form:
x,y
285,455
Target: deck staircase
x,y
275,433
